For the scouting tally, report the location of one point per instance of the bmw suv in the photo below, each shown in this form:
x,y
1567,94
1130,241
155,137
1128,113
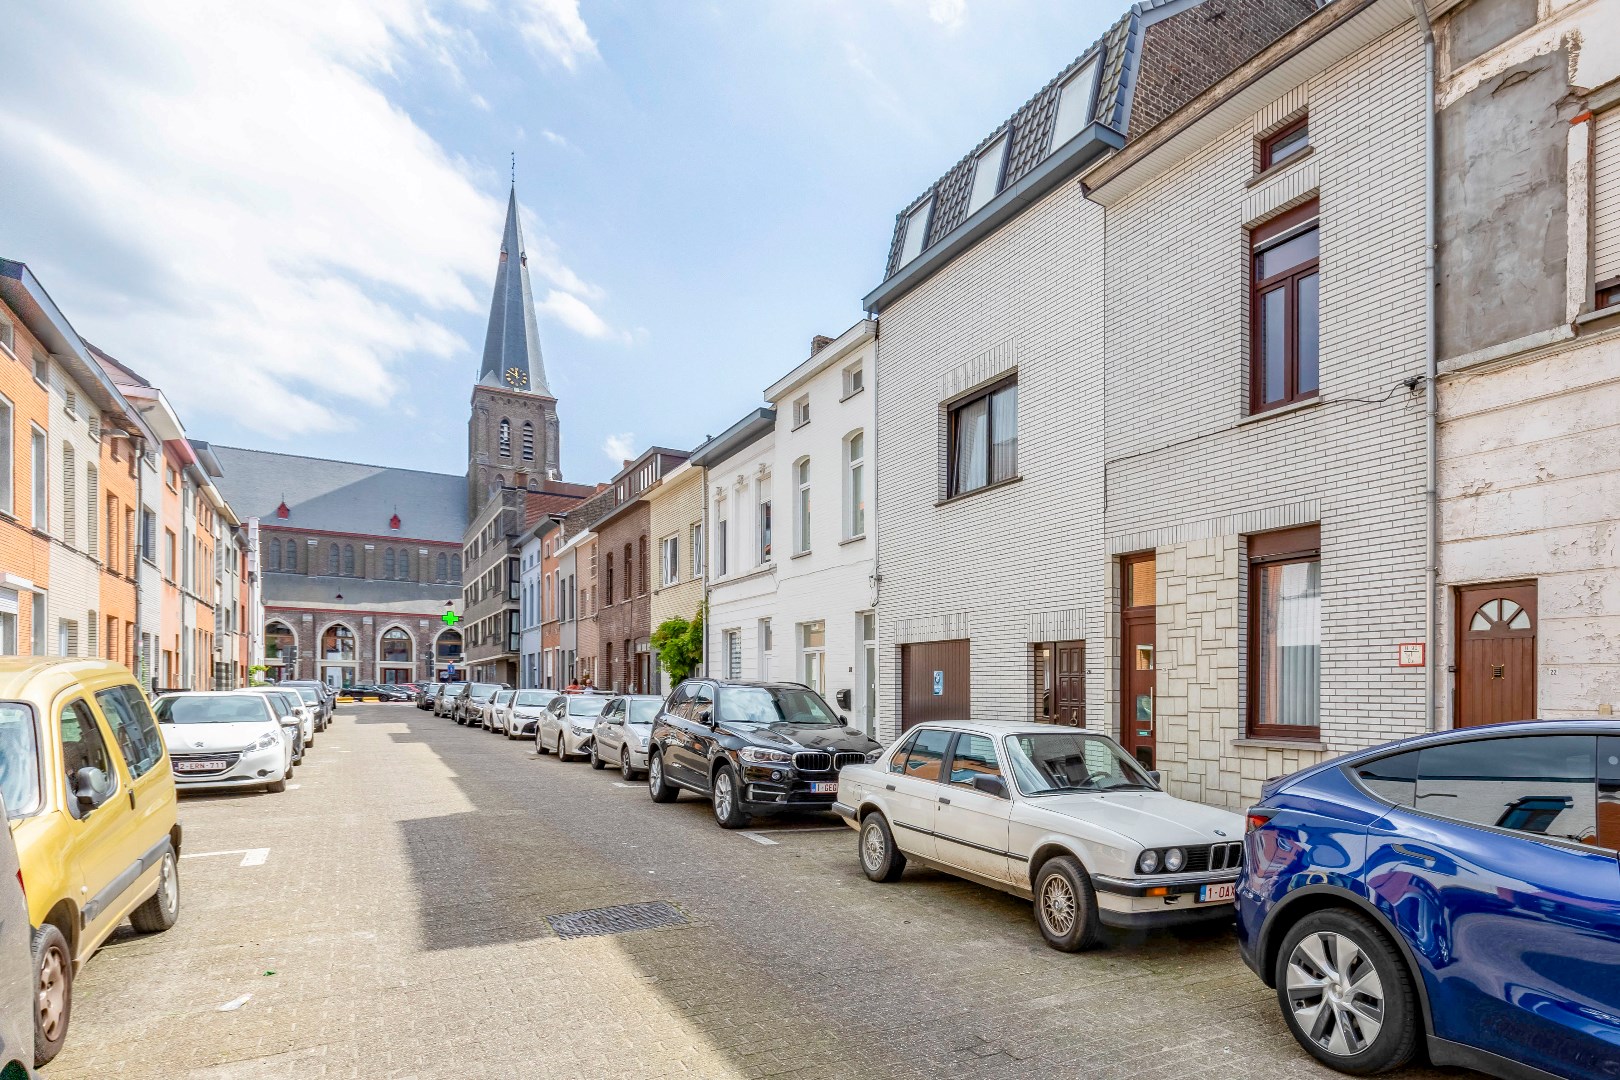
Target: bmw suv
x,y
751,748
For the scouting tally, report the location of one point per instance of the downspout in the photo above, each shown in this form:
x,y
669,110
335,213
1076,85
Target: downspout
x,y
876,583
708,571
1431,499
138,448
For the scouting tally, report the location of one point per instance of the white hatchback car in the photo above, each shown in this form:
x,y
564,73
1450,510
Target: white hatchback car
x,y
1058,815
569,724
521,715
220,740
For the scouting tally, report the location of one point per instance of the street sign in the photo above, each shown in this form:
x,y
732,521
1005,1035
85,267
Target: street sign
x,y
939,684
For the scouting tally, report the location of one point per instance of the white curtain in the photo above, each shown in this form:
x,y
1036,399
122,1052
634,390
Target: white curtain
x,y
972,423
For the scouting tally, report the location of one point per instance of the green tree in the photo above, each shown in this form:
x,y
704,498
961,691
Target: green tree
x,y
680,645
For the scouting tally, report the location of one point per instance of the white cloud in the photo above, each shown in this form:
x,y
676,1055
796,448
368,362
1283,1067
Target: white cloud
x,y
556,29
581,318
226,199
556,140
620,448
951,14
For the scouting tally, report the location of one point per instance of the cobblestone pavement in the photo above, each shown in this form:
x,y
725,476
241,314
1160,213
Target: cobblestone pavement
x,y
397,928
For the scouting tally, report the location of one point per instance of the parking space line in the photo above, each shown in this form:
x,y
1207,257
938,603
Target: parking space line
x,y
235,1003
621,783
758,839
250,856
809,828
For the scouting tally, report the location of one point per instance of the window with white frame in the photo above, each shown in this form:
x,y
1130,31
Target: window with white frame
x,y
987,171
1605,213
720,544
1074,104
697,550
671,560
765,648
733,654
916,237
813,655
764,552
801,505
854,379
8,501
8,335
40,466
855,485
801,411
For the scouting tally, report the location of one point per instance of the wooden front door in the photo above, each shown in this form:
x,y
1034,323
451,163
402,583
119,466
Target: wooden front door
x,y
1137,729
1071,682
1496,653
935,682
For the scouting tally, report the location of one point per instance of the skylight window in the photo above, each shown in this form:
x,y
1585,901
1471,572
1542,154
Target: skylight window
x,y
916,232
987,174
1074,105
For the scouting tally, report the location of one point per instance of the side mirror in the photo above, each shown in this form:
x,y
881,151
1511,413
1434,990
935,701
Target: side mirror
x,y
990,785
843,699
705,716
90,787
844,720
1153,775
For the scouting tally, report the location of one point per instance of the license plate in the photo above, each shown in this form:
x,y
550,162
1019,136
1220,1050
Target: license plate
x,y
1209,894
824,787
198,766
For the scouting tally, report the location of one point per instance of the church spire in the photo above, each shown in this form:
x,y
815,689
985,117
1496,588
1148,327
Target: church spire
x,y
512,344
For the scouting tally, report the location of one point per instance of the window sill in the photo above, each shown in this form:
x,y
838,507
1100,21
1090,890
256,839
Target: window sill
x,y
799,555
1280,744
978,491
800,424
1281,410
1278,169
852,393
1601,314
857,538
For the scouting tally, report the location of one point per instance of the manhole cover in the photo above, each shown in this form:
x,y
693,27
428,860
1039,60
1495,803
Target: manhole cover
x,y
620,919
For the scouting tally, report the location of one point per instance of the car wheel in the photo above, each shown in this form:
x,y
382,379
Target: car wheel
x,y
1066,905
53,992
660,789
277,787
540,741
596,758
728,810
562,747
1347,994
624,764
880,859
162,908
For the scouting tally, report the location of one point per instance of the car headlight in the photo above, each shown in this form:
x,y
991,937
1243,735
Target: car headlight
x,y
266,742
290,729
582,729
1174,860
759,755
1148,863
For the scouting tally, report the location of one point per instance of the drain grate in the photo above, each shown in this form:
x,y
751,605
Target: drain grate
x,y
619,919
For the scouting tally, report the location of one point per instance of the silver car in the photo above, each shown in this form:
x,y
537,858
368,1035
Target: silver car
x,y
622,732
470,705
569,725
446,701
497,711
17,1002
523,713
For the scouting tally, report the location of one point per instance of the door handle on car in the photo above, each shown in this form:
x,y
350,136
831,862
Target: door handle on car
x,y
888,787
1413,853
943,801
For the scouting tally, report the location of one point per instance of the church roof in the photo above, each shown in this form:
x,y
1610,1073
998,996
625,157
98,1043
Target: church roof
x,y
512,342
397,597
342,496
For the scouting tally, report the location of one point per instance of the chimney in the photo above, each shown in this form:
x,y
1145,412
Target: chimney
x,y
626,465
819,342
520,479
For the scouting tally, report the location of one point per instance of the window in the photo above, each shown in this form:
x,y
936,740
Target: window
x,y
70,402
348,560
855,485
983,443
697,551
20,781
924,758
801,502
641,565
70,496
1283,312
272,557
764,532
168,553
92,510
67,637
39,624
9,612
973,757
813,655
765,647
337,643
720,549
1288,141
40,463
528,441
916,237
987,171
1605,214
8,502
1285,633
506,437
671,560
8,335
733,654
84,748
854,379
1074,104
133,727
396,646
455,567
42,367
388,562
441,568
801,411
607,579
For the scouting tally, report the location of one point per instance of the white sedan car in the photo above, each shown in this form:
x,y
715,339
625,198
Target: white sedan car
x,y
568,724
1061,816
219,740
522,713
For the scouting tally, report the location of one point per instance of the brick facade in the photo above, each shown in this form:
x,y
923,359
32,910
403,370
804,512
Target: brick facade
x,y
25,546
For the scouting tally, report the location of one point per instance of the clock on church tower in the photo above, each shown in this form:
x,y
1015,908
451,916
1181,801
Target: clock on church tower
x,y
517,377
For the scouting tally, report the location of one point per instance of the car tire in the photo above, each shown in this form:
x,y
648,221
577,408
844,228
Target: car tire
x,y
660,789
727,799
562,747
624,764
53,1004
596,759
1066,905
162,908
540,741
276,787
1336,951
881,860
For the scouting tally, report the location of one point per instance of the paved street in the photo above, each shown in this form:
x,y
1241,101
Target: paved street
x,y
397,928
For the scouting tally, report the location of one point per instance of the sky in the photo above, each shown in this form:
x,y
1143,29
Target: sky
x,y
288,216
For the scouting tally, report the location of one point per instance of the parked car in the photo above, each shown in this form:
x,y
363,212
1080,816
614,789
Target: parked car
x,y
18,1004
469,706
1056,815
289,707
496,712
325,696
225,739
445,703
425,695
522,717
623,732
1458,890
751,748
83,770
313,701
568,724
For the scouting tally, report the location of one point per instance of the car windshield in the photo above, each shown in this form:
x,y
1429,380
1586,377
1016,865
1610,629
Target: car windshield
x,y
282,704
224,709
19,759
482,691
773,705
581,705
1048,762
538,698
643,710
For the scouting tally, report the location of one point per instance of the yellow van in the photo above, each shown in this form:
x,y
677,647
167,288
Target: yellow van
x,y
90,797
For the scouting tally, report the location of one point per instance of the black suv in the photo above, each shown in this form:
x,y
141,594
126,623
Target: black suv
x,y
752,748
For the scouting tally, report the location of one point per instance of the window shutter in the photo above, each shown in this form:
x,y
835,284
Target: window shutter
x,y
70,496
1606,196
92,519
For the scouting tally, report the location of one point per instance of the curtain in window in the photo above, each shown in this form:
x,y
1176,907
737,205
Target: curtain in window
x,y
1290,607
1004,431
972,437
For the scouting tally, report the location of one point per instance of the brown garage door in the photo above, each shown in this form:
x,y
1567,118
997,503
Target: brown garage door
x,y
934,682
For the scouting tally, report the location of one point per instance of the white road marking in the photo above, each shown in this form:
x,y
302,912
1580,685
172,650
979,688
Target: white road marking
x,y
618,783
235,1003
250,856
294,787
758,839
810,828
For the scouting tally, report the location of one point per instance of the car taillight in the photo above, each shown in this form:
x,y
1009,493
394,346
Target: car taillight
x,y
1257,819
21,884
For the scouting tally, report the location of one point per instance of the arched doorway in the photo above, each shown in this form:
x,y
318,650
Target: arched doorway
x,y
395,655
447,656
280,651
338,656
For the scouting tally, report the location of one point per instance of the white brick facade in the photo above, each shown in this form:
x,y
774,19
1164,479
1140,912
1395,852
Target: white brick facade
x,y
75,591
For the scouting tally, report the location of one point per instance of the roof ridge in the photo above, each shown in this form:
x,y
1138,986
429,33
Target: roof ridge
x,y
340,461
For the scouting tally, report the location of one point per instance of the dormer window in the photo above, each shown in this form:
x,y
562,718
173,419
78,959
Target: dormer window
x,y
1074,104
916,231
987,172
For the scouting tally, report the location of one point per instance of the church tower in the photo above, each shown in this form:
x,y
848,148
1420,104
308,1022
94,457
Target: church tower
x,y
513,428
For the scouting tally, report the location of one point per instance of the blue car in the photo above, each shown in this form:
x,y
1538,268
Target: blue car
x,y
1457,893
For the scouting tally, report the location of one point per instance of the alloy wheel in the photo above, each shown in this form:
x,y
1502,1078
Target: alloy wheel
x,y
722,796
872,846
655,772
1335,993
168,892
1057,905
52,993
624,764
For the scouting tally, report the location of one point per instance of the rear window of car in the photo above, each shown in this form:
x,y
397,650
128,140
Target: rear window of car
x,y
308,694
19,760
582,705
225,709
483,691
533,697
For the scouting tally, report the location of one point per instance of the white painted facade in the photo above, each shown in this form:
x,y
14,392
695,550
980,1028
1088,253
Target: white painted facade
x,y
740,630
72,619
529,594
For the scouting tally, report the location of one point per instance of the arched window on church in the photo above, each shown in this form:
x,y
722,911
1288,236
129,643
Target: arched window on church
x,y
275,554
455,567
528,441
404,565
348,560
334,560
289,556
506,437
388,563
441,570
